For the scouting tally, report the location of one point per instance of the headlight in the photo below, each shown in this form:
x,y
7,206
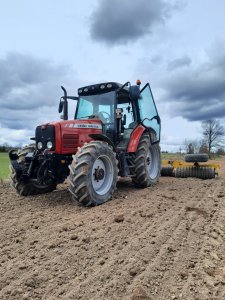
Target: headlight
x,y
49,145
39,145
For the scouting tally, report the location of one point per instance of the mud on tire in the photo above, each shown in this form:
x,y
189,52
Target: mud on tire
x,y
147,163
93,174
29,187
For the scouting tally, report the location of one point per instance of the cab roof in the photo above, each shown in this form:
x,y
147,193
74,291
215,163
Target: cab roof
x,y
101,88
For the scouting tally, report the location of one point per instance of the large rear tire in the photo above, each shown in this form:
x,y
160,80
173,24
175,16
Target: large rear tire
x,y
93,174
31,186
147,163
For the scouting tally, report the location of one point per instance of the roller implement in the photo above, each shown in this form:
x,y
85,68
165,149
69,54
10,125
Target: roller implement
x,y
194,166
115,132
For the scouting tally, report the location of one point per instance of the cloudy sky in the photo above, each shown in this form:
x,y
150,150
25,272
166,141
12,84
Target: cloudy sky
x,y
177,46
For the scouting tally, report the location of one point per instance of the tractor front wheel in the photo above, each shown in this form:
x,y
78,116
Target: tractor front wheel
x,y
93,174
147,163
30,186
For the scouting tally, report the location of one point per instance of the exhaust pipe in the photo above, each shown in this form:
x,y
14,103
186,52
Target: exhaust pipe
x,y
65,104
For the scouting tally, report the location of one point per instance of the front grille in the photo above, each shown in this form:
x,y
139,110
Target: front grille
x,y
45,133
70,141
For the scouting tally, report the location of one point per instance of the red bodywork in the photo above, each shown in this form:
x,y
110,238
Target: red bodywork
x,y
135,138
71,134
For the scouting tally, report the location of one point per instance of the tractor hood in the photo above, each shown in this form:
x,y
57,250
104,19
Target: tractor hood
x,y
66,136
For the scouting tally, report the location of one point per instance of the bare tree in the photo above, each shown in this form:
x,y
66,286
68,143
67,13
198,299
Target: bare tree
x,y
213,132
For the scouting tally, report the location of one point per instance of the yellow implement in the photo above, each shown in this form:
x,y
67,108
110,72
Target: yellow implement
x,y
180,163
182,169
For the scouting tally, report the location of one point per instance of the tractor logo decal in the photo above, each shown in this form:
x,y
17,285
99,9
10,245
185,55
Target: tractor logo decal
x,y
93,126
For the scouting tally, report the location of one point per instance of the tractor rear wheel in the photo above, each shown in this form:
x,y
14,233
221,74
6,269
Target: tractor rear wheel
x,y
147,163
93,174
30,186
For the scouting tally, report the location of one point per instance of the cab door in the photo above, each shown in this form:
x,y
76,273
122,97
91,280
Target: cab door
x,y
148,112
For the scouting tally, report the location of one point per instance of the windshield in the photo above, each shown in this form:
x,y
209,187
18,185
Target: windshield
x,y
99,106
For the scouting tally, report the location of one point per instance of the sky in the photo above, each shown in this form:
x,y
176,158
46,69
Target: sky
x,y
178,46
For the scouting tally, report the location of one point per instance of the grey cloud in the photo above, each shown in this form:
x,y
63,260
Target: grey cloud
x,y
157,59
179,63
198,93
27,82
27,119
30,90
118,22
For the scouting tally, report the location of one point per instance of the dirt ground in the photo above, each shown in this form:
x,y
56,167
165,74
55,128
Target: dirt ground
x,y
165,242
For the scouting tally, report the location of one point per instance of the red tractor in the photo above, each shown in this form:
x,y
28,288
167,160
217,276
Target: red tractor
x,y
115,132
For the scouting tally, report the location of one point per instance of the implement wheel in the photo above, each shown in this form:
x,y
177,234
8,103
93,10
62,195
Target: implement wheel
x,y
147,163
93,174
196,172
31,186
196,157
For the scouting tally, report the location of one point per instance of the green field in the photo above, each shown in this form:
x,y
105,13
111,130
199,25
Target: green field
x,y
4,165
172,156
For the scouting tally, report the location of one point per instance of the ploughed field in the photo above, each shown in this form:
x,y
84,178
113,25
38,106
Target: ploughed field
x,y
165,242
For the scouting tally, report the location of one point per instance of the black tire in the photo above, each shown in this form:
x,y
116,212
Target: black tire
x,y
147,163
28,187
84,184
196,172
196,157
167,171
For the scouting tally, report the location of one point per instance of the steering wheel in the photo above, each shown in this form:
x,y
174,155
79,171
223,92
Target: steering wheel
x,y
107,119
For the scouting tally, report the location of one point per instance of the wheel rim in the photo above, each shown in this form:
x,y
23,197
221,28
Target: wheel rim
x,y
102,175
152,162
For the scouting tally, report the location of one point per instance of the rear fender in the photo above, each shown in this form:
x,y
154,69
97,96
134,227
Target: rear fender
x,y
135,138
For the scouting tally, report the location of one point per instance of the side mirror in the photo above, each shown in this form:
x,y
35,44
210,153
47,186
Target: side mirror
x,y
60,109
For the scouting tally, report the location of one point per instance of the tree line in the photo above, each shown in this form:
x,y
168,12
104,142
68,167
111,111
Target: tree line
x,y
212,140
5,147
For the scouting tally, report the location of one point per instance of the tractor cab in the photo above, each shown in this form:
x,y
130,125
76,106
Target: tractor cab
x,y
121,108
